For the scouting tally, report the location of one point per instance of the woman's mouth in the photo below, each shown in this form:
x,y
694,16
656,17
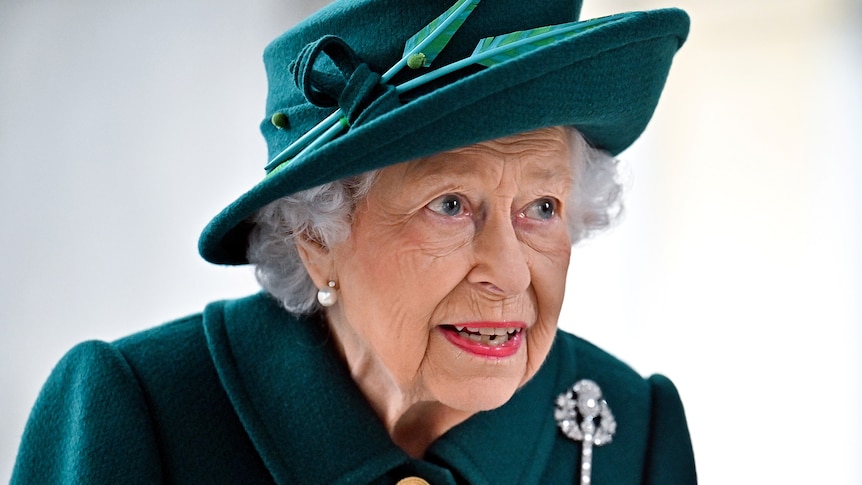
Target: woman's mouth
x,y
486,339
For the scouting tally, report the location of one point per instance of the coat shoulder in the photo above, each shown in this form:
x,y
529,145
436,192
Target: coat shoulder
x,y
149,407
90,415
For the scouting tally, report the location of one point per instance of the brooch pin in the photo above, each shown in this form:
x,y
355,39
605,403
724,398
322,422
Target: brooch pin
x,y
584,416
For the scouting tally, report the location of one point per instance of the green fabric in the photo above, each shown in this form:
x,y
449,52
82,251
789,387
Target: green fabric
x,y
606,82
247,393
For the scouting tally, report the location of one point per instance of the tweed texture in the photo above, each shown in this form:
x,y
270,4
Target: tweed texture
x,y
247,393
606,82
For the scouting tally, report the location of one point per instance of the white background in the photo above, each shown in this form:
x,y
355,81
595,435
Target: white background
x,y
124,126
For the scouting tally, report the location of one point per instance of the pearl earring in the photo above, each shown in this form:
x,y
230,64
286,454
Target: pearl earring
x,y
329,295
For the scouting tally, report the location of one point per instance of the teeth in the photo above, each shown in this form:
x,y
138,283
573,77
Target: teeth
x,y
495,338
486,330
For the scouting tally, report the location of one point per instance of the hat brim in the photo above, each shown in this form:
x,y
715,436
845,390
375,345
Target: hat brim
x,y
606,82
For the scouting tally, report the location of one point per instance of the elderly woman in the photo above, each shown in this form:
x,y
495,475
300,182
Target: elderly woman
x,y
413,235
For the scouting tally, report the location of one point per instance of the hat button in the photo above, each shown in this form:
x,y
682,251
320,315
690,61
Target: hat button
x,y
280,120
416,61
413,481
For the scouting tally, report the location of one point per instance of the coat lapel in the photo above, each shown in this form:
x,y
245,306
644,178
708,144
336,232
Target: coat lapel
x,y
296,400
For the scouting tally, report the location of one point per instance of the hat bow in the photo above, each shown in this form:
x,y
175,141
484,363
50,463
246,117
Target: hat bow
x,y
345,80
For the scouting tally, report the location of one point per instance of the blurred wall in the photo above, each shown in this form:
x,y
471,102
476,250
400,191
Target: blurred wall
x,y
124,127
736,270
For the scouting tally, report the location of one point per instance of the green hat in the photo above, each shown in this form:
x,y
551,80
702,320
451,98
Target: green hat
x,y
372,83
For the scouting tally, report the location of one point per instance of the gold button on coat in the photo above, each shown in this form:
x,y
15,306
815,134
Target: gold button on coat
x,y
413,481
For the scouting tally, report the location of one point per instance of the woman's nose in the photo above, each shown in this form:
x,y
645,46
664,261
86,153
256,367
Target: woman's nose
x,y
500,264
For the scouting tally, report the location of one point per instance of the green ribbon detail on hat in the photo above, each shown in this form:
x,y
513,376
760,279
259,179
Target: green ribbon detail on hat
x,y
354,96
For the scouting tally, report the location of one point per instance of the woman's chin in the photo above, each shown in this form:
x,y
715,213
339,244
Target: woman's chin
x,y
472,382
475,395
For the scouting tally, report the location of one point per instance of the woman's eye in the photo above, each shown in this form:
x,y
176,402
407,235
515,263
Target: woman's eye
x,y
447,205
542,209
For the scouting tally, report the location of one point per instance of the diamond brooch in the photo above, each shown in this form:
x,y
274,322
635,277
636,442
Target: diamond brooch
x,y
583,415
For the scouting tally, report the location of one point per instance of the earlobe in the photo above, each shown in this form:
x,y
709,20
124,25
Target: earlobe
x,y
317,259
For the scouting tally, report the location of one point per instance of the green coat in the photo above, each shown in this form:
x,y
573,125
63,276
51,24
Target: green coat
x,y
247,393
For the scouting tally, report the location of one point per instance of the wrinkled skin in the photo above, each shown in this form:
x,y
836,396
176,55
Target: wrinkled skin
x,y
477,234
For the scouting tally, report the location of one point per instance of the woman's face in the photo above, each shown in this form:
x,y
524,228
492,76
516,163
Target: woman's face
x,y
452,279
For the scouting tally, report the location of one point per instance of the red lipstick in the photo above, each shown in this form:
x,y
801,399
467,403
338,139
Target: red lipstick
x,y
486,339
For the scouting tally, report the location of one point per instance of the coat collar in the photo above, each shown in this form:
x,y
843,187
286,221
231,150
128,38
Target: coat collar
x,y
310,422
